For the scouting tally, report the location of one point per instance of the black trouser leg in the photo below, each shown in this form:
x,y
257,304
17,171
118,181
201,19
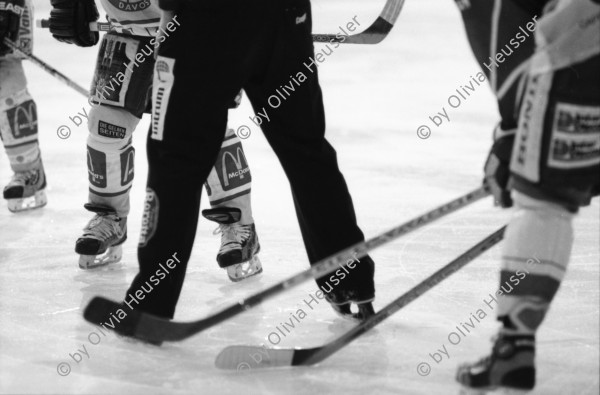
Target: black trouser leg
x,y
296,131
182,155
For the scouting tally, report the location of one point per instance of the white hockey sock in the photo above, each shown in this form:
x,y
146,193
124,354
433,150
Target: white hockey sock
x,y
536,252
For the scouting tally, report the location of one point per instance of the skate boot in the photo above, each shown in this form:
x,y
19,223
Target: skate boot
x,y
239,243
357,287
102,238
25,191
510,368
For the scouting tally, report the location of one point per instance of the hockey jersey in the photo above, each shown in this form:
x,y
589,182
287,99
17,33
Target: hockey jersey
x,y
136,17
25,37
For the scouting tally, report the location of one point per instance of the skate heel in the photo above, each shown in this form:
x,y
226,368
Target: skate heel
x,y
244,270
112,255
37,200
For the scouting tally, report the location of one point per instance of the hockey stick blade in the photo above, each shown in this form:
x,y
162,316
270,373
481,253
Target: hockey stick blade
x,y
255,357
374,34
155,329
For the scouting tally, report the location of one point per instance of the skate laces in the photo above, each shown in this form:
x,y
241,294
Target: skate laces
x,y
103,227
498,351
29,177
232,236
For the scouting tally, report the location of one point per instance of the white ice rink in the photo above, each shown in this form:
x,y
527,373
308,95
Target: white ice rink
x,y
375,98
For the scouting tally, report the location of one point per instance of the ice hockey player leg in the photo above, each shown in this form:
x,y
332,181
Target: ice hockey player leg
x,y
19,132
228,187
536,252
110,168
111,156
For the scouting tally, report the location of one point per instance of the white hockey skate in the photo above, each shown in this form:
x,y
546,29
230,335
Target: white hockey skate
x,y
25,191
103,237
239,244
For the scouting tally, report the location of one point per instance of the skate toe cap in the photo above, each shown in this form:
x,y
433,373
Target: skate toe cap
x,y
88,246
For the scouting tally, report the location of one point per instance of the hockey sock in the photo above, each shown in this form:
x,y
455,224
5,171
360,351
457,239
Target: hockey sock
x,y
536,252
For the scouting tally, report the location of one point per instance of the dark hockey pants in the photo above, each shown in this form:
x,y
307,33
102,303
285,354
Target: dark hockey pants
x,y
219,49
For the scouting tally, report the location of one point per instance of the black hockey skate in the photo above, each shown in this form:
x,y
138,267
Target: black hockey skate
x,y
365,310
341,301
239,243
356,288
101,243
510,368
25,191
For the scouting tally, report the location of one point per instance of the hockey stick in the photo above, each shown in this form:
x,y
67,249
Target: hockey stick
x,y
252,357
94,26
154,329
51,70
374,34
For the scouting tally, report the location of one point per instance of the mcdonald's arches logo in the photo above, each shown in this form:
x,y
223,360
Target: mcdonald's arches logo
x,y
232,167
23,119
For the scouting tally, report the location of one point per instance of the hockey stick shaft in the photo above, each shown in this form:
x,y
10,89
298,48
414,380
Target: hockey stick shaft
x,y
46,67
321,353
94,26
149,327
381,28
359,250
374,34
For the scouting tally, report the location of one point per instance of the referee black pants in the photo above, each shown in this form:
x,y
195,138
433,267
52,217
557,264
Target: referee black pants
x,y
216,50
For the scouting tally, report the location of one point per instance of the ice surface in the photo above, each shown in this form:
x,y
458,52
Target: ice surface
x,y
376,97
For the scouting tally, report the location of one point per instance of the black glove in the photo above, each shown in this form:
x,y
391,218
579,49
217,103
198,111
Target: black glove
x,y
497,167
168,5
70,21
10,20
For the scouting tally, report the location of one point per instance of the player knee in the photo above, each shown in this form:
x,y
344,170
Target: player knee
x,y
545,209
540,230
12,78
110,153
110,128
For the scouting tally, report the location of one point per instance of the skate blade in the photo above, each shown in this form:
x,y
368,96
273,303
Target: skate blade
x,y
112,255
29,203
492,391
365,310
244,270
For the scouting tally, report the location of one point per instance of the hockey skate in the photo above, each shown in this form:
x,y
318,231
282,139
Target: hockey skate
x,y
358,289
25,191
365,310
341,302
509,369
239,243
101,243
